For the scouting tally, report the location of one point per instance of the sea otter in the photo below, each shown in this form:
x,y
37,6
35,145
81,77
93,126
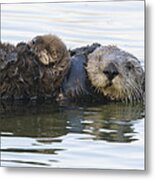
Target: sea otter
x,y
44,68
103,73
34,69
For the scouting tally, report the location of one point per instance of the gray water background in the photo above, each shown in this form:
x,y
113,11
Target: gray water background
x,y
104,136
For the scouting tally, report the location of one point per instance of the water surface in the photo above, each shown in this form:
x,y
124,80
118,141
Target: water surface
x,y
105,136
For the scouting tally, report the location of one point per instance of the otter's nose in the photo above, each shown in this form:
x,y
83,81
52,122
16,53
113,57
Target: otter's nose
x,y
110,71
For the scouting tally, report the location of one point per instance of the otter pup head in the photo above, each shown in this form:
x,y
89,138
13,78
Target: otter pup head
x,y
116,74
48,49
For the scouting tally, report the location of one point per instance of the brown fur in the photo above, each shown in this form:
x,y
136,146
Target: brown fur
x,y
33,69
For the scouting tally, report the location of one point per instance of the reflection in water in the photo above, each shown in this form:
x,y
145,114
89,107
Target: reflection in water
x,y
33,121
111,122
115,122
97,136
48,134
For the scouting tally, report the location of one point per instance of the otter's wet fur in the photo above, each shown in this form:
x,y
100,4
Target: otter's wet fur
x,y
33,69
76,85
43,68
104,73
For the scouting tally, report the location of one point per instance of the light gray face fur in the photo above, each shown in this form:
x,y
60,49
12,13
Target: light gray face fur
x,y
116,74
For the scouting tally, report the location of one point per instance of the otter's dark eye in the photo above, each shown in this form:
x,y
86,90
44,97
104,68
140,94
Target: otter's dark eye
x,y
34,41
129,66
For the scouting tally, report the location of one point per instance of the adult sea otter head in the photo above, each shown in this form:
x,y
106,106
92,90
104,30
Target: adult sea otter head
x,y
116,74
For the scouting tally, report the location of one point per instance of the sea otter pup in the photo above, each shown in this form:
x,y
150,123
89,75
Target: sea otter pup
x,y
33,69
54,60
104,73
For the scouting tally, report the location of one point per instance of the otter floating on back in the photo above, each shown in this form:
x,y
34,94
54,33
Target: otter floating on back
x,y
43,67
104,73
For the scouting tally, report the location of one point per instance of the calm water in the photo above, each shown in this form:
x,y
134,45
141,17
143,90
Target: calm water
x,y
105,136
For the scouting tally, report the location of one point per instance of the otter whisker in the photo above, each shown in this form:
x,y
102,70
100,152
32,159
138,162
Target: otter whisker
x,y
136,93
127,85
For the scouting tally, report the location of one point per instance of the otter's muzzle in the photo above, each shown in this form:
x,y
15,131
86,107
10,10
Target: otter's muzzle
x,y
111,71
